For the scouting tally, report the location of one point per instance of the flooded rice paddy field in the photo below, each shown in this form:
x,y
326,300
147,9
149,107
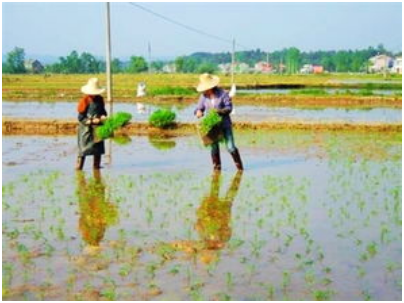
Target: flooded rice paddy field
x,y
242,113
314,216
331,91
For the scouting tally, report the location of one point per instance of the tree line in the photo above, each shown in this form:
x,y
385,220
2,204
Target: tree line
x,y
292,59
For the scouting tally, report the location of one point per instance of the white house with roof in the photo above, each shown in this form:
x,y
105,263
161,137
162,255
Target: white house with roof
x,y
263,67
169,68
380,63
239,67
33,66
397,66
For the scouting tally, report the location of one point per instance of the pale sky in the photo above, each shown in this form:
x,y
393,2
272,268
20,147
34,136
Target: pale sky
x,y
49,28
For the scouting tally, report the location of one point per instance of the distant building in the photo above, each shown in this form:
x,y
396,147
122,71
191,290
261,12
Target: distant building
x,y
239,67
263,67
397,66
306,69
312,69
318,69
33,66
225,68
169,68
380,63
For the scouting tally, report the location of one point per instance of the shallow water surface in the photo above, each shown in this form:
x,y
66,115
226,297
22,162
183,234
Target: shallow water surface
x,y
241,113
315,215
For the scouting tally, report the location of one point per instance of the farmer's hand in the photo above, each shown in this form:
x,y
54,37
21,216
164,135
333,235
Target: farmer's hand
x,y
96,121
103,118
199,113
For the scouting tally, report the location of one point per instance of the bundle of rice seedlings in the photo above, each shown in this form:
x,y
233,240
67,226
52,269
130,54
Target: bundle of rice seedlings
x,y
210,120
162,118
111,124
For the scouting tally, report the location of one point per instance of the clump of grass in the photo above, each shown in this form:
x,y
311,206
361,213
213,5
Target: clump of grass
x,y
311,92
365,92
211,120
162,118
111,124
168,90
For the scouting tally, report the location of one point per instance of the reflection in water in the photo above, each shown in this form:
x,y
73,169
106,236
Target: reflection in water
x,y
122,139
214,214
213,222
161,143
96,213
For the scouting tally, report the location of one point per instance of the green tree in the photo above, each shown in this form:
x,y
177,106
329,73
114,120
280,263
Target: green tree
x,y
179,64
116,66
71,64
157,65
15,61
292,60
89,64
206,68
137,65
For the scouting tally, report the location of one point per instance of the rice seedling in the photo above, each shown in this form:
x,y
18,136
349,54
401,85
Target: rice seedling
x,y
162,118
209,121
111,124
322,295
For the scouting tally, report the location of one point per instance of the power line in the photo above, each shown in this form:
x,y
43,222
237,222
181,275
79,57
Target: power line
x,y
190,28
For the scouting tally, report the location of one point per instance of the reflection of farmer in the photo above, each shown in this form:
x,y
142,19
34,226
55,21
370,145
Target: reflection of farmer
x,y
92,112
214,214
215,98
96,214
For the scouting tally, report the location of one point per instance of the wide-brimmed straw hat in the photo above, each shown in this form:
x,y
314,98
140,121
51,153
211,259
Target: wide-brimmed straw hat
x,y
207,81
92,87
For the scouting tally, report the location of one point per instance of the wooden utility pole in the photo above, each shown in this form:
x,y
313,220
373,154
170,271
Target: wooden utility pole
x,y
109,78
233,61
149,50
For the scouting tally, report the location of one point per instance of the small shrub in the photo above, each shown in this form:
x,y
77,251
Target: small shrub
x,y
111,124
209,121
162,118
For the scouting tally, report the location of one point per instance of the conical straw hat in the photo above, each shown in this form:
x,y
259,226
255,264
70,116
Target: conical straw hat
x,y
92,87
207,81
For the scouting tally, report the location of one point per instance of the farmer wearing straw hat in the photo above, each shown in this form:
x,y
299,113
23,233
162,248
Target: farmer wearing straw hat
x,y
92,112
215,98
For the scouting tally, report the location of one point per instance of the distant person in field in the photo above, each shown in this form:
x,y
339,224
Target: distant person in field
x,y
91,109
215,98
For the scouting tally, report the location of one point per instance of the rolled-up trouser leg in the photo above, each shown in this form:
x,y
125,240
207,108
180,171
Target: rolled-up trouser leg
x,y
215,153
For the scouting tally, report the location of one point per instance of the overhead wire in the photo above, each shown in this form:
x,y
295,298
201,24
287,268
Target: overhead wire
x,y
190,28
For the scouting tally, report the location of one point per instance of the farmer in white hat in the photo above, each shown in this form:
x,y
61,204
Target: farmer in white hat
x,y
215,98
92,112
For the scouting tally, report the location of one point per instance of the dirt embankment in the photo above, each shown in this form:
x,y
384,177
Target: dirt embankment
x,y
13,126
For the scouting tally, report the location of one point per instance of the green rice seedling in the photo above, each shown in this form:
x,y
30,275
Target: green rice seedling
x,y
229,280
366,296
175,269
162,118
125,270
169,90
372,249
211,119
286,278
111,124
322,295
